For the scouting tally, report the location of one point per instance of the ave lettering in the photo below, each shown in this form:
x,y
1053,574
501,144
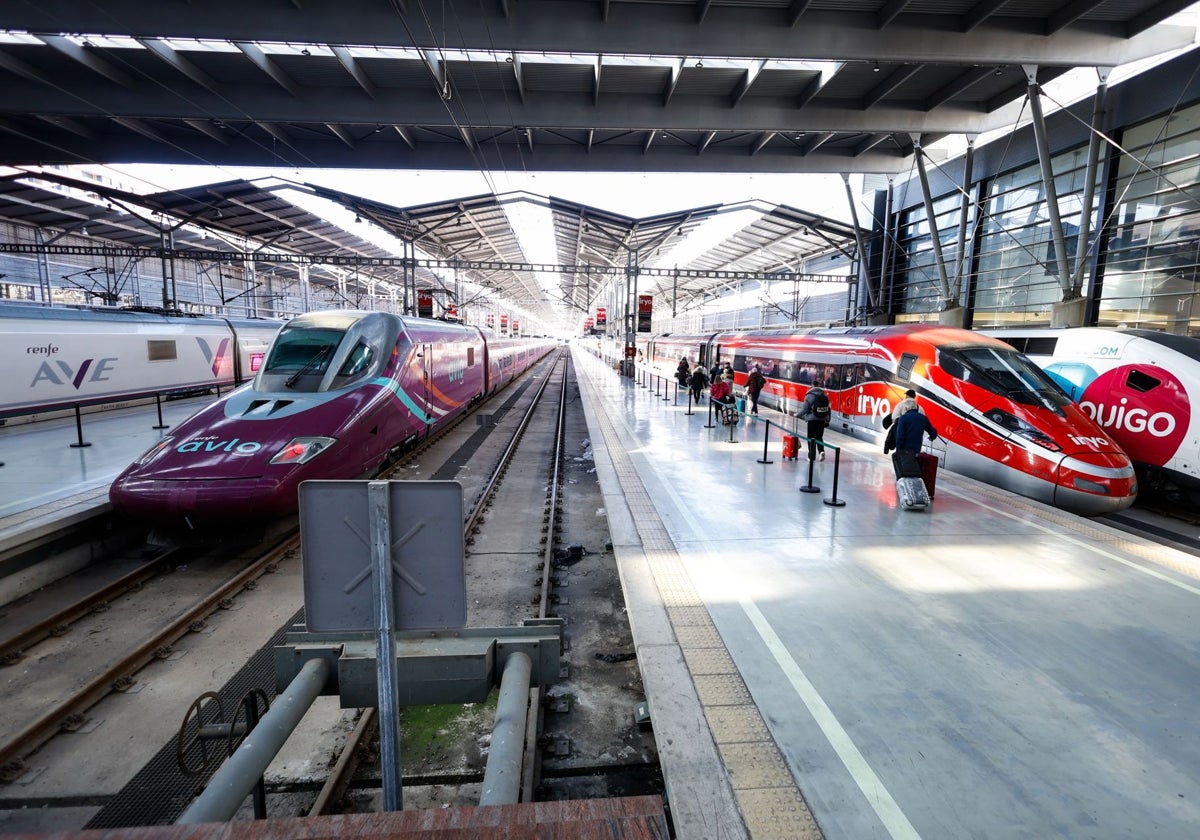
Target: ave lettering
x,y
60,372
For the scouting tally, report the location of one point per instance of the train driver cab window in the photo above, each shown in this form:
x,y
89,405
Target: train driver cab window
x,y
904,369
1005,372
301,357
357,365
1139,381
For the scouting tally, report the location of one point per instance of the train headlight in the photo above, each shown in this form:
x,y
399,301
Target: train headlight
x,y
156,450
301,450
1018,426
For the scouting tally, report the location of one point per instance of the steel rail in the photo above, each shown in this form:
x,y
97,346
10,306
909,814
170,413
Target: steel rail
x,y
13,648
104,683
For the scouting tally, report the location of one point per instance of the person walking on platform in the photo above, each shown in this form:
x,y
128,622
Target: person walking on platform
x,y
754,385
905,437
816,411
698,382
683,372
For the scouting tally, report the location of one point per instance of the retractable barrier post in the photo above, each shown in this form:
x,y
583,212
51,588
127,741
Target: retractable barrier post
x,y
833,500
731,425
766,436
812,462
710,424
667,392
80,444
689,411
158,405
657,385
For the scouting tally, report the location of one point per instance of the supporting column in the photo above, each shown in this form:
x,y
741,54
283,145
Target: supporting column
x,y
864,282
1063,313
951,313
1083,251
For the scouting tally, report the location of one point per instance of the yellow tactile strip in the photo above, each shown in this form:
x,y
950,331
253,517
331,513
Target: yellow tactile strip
x,y
771,804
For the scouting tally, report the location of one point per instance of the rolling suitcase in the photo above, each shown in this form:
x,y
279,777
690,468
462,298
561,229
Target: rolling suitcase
x,y
905,463
741,405
791,447
929,466
910,490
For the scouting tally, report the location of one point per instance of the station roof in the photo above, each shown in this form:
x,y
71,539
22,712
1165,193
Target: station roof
x,y
547,85
481,240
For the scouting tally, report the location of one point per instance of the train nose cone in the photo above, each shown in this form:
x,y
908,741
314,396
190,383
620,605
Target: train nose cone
x,y
1094,483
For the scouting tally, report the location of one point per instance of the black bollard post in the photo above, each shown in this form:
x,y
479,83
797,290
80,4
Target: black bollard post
x,y
766,437
158,405
79,430
812,461
667,392
710,424
689,411
731,426
834,501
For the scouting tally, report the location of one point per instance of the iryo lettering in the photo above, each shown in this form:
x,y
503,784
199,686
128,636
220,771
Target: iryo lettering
x,y
1089,441
873,406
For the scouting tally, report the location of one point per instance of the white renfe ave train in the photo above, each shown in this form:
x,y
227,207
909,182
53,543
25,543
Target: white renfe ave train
x,y
1138,385
60,357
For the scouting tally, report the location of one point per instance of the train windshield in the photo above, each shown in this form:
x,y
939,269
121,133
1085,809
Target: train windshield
x,y
302,355
1006,372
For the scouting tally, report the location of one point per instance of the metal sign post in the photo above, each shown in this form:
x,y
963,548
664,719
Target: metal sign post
x,y
385,659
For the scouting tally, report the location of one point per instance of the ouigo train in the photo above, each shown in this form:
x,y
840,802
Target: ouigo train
x,y
1000,418
339,394
1138,386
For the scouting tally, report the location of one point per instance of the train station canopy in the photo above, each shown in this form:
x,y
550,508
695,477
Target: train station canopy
x,y
478,250
542,85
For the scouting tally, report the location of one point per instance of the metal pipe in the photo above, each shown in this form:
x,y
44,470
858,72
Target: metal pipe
x,y
502,776
238,776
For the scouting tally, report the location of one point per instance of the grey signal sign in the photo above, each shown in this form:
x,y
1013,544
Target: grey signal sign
x,y
427,550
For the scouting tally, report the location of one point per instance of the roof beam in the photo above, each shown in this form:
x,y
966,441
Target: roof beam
x,y
762,141
702,7
406,136
745,83
673,80
341,134
518,73
596,78
964,81
88,58
354,68
980,12
179,62
1068,14
796,11
704,141
889,12
266,64
896,78
141,127
206,127
15,65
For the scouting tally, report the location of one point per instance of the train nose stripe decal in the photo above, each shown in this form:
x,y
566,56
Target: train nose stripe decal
x,y
409,403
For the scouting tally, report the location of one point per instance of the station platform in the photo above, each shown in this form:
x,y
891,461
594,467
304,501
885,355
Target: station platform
x,y
992,667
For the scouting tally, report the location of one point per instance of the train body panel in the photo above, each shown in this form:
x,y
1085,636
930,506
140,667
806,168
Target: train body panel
x,y
1001,420
340,392
1137,385
62,357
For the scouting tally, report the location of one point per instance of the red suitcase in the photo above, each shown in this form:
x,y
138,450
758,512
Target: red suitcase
x,y
929,466
791,446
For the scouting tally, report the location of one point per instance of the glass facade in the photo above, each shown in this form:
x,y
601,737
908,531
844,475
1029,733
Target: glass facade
x,y
1144,275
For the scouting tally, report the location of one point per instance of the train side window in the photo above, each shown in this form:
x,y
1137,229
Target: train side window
x,y
470,357
1039,346
904,370
1139,381
161,351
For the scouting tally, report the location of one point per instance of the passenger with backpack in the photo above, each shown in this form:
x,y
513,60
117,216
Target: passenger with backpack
x,y
816,411
754,385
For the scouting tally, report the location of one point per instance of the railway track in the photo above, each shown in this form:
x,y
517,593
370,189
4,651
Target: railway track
x,y
503,583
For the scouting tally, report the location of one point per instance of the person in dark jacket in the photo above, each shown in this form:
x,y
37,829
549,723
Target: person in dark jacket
x,y
683,372
754,385
907,433
816,412
698,382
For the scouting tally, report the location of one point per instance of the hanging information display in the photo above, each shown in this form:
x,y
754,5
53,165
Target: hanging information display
x,y
645,309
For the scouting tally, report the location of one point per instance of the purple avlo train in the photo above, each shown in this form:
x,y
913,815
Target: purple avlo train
x,y
340,394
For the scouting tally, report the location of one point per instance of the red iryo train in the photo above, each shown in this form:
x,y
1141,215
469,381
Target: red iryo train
x,y
1002,420
340,392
